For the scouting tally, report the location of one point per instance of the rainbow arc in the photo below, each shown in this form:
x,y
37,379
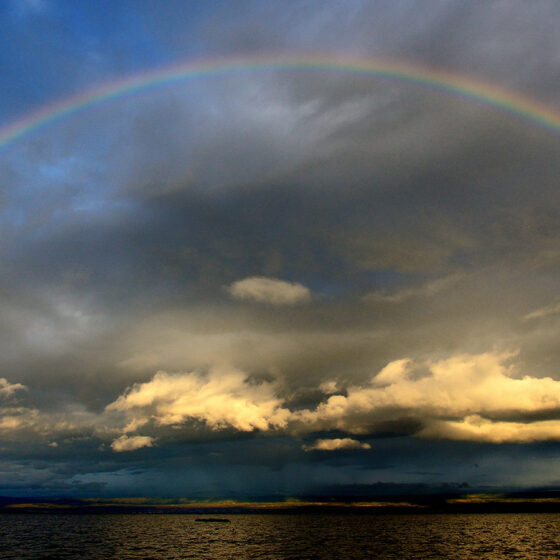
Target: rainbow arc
x,y
467,87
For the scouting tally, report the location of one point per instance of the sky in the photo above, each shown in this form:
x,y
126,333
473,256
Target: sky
x,y
275,280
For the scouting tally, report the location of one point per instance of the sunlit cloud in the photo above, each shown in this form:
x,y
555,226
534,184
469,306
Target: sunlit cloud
x,y
336,444
477,428
126,443
269,290
461,386
7,389
486,387
551,309
12,419
32,424
329,387
221,399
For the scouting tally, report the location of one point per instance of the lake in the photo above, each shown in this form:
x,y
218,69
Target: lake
x,y
279,536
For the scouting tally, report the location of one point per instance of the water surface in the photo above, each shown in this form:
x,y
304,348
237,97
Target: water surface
x,y
282,536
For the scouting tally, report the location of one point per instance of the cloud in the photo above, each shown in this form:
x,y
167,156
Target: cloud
x,y
551,309
429,289
221,399
476,428
336,444
269,290
329,387
17,417
126,443
463,386
476,397
7,389
74,422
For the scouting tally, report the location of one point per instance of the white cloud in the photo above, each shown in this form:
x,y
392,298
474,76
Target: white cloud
x,y
336,444
460,387
465,397
269,290
454,398
223,398
126,443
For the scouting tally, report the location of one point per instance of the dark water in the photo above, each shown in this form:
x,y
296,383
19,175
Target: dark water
x,y
300,537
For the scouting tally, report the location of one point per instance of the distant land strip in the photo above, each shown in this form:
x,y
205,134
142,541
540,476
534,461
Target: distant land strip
x,y
514,502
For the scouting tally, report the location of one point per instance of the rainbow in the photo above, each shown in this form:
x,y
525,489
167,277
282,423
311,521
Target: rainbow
x,y
513,103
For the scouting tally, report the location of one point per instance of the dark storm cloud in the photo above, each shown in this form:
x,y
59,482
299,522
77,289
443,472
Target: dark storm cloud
x,y
412,225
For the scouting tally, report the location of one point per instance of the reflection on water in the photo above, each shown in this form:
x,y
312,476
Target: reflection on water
x,y
123,537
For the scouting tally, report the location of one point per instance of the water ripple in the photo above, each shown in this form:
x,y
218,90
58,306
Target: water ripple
x,y
279,537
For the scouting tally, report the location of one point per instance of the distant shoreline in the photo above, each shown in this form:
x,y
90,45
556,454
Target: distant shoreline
x,y
521,502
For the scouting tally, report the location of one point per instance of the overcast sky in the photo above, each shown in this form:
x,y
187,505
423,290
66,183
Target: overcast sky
x,y
278,282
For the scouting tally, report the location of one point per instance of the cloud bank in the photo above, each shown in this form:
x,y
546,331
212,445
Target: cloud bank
x,y
466,397
480,397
